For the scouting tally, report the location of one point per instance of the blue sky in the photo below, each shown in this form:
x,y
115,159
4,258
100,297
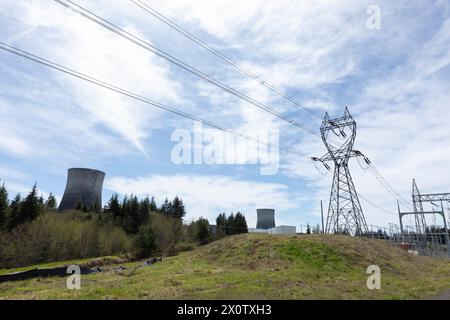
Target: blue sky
x,y
395,81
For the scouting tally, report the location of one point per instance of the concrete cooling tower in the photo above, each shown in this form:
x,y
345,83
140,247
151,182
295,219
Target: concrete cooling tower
x,y
83,188
265,219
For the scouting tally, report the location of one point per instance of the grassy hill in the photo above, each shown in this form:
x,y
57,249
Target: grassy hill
x,y
255,266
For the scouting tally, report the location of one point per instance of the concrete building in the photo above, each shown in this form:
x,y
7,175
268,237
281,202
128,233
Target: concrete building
x,y
83,189
266,224
275,230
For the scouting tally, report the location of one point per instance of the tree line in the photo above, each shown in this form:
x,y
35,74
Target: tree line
x,y
125,225
21,210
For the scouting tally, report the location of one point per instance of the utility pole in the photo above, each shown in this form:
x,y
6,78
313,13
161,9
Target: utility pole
x,y
321,213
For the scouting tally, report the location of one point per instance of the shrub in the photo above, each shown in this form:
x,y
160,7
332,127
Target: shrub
x,y
203,232
53,237
145,241
167,231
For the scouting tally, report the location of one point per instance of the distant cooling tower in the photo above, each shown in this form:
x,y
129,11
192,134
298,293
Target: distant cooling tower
x,y
266,218
84,188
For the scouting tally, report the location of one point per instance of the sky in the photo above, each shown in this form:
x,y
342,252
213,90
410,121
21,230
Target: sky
x,y
394,80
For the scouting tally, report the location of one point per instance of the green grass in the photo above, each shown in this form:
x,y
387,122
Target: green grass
x,y
259,267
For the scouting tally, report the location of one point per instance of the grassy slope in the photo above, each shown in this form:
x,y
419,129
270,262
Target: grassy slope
x,y
260,267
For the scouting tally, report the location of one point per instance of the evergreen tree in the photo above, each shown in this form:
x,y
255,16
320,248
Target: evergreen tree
x,y
153,206
13,218
135,214
308,229
203,230
221,223
4,205
32,206
26,210
51,203
230,228
113,206
130,214
221,220
144,211
167,208
146,241
124,208
178,209
240,224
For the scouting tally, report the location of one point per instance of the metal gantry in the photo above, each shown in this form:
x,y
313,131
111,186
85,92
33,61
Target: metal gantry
x,y
345,214
434,199
432,239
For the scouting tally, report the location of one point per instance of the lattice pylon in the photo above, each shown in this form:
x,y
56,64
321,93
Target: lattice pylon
x,y
345,214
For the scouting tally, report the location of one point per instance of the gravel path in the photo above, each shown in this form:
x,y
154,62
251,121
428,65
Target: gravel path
x,y
443,296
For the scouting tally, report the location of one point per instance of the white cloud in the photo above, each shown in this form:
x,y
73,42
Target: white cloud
x,y
395,81
66,38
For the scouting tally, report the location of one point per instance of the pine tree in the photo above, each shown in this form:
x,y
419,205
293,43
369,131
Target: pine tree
x,y
144,211
308,229
221,223
153,206
230,228
13,218
203,230
32,206
240,223
221,220
51,202
113,206
146,241
26,210
178,208
134,214
4,206
167,208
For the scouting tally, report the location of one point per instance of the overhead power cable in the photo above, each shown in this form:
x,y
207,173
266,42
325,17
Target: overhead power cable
x,y
127,93
149,47
116,89
220,55
376,206
388,186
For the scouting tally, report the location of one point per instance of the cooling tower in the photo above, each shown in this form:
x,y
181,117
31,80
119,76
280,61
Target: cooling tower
x,y
83,189
266,218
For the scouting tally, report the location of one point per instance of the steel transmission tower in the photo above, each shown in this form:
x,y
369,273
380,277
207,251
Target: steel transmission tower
x,y
345,214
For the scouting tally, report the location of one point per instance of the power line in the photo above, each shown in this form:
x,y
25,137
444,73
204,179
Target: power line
x,y
376,206
116,89
388,186
149,47
127,93
219,55
392,192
